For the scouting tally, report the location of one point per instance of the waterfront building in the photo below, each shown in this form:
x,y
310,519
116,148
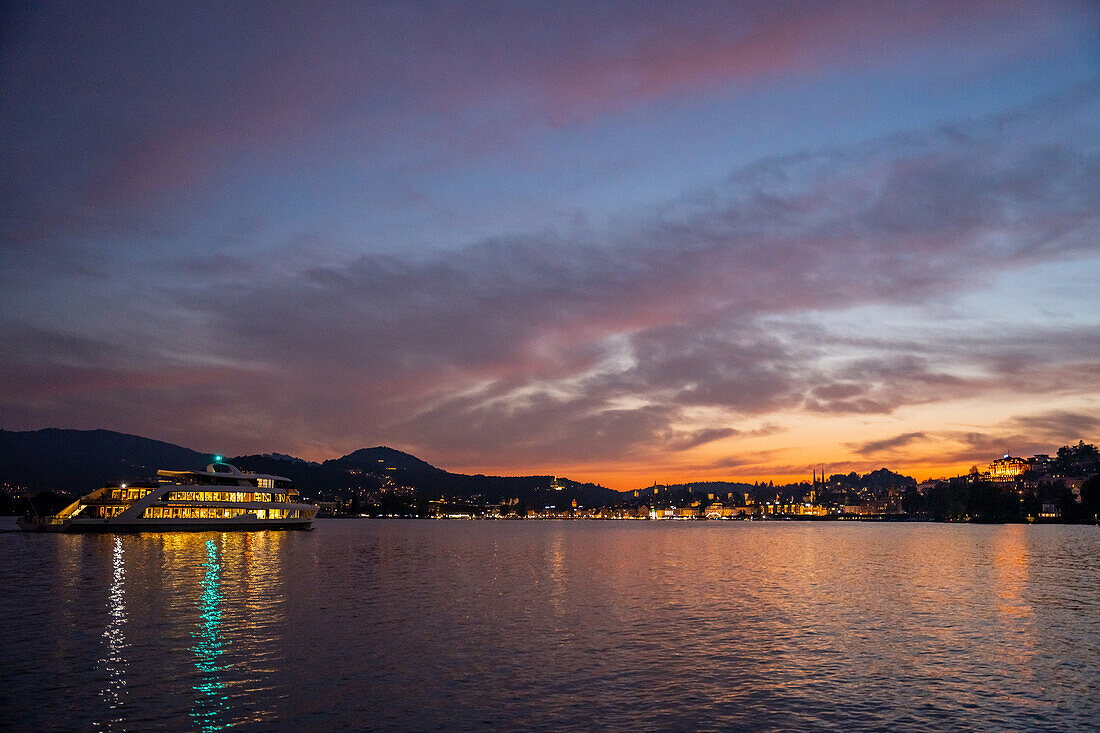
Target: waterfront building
x,y
718,510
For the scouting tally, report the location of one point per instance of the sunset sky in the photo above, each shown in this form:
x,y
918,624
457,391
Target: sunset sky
x,y
619,242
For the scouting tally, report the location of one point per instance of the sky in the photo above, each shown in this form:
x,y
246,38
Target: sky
x,y
619,242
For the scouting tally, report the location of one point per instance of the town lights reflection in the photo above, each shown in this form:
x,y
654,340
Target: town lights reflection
x,y
212,703
114,663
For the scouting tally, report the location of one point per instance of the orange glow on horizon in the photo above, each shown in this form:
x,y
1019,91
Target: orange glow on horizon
x,y
630,479
926,442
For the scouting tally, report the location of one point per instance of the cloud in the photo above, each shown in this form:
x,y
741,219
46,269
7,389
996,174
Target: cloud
x,y
890,224
714,45
1022,435
979,447
1060,426
898,441
693,439
671,311
540,429
211,91
599,344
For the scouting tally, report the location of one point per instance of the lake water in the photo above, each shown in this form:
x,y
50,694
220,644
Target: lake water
x,y
450,625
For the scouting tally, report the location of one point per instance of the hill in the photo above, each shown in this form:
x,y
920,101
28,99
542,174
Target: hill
x,y
78,461
729,492
373,474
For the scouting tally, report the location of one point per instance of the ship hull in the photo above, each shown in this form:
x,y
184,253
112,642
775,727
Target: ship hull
x,y
185,526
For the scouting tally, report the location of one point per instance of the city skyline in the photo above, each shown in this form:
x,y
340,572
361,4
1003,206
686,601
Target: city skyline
x,y
622,243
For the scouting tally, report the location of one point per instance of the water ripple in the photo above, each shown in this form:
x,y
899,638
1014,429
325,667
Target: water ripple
x,y
417,625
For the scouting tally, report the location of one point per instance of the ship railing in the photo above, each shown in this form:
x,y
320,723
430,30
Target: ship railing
x,y
107,501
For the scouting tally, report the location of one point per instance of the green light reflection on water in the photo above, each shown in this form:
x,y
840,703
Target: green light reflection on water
x,y
209,711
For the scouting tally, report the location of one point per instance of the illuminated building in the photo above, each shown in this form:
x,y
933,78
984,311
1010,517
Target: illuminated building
x,y
718,511
1008,468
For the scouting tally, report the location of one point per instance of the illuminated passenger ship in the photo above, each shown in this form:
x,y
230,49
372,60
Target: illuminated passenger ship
x,y
220,498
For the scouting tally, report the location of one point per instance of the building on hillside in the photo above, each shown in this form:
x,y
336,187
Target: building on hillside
x,y
925,486
1041,463
1074,484
1008,468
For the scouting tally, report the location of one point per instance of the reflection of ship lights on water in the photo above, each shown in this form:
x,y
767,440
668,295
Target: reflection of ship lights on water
x,y
211,704
114,664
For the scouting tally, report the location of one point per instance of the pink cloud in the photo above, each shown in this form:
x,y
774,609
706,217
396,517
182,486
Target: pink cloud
x,y
367,75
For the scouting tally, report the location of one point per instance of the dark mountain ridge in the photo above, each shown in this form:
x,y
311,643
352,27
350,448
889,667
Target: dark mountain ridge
x,y
730,493
78,461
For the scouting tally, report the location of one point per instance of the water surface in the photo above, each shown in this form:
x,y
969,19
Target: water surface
x,y
428,625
